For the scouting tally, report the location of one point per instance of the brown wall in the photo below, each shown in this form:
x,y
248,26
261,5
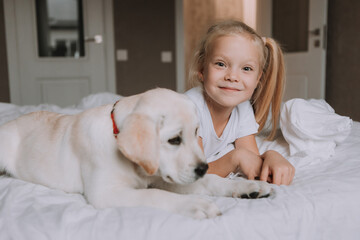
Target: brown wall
x,y
144,29
199,15
343,58
4,82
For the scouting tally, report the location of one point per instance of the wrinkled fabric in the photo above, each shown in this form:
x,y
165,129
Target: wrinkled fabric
x,y
321,203
312,128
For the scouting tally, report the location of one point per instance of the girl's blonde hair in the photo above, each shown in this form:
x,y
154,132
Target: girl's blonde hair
x,y
269,91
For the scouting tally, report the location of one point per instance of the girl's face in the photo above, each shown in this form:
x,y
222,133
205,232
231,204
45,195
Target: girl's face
x,y
231,71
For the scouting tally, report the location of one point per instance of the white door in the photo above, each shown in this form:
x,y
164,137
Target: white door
x,y
305,71
61,60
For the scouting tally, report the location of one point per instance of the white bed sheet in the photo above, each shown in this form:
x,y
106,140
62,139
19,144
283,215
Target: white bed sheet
x,y
323,202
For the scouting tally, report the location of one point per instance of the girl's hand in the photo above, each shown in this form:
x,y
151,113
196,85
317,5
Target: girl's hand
x,y
238,159
247,157
248,162
276,165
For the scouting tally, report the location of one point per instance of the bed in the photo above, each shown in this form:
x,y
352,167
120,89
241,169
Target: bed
x,y
323,202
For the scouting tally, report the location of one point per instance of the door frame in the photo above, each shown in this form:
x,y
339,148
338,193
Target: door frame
x,y
13,54
179,47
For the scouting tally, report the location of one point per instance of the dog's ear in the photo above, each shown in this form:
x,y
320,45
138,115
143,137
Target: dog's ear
x,y
139,141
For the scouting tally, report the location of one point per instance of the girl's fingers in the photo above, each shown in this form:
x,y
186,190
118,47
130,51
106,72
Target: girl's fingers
x,y
264,173
292,175
277,178
269,180
288,176
280,177
285,179
251,177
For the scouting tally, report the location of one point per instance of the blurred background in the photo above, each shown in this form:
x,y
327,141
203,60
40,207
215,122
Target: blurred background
x,y
59,51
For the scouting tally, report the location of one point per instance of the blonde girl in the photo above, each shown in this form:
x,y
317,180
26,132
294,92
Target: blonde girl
x,y
241,78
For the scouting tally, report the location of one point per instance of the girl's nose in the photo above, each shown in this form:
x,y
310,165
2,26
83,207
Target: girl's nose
x,y
232,76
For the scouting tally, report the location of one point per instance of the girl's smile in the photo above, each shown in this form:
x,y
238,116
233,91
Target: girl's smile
x,y
230,89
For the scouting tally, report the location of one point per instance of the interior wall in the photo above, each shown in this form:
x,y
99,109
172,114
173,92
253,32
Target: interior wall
x,y
343,58
4,80
144,29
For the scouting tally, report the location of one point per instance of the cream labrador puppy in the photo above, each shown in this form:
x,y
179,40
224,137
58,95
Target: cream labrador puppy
x,y
122,155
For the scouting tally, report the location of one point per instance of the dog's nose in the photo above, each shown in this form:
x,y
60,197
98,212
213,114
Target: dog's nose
x,y
201,169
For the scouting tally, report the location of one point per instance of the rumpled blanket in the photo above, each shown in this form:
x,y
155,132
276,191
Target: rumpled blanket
x,y
312,128
10,112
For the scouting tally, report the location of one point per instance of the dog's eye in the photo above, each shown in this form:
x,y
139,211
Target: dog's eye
x,y
175,141
196,131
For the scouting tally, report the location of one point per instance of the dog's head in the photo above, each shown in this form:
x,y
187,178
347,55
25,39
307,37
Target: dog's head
x,y
160,135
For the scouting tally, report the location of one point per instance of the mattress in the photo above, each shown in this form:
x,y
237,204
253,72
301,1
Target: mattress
x,y
323,202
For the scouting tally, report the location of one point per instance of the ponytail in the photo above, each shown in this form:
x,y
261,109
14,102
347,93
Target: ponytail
x,y
269,92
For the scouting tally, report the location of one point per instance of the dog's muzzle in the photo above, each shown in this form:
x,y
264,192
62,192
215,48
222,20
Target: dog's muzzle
x,y
201,169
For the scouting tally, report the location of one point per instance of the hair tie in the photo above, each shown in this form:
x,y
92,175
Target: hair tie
x,y
264,40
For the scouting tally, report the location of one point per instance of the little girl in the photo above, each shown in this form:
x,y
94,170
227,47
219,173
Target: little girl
x,y
241,77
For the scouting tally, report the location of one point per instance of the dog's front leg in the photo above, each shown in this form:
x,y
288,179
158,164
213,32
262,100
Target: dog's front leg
x,y
214,185
191,206
105,189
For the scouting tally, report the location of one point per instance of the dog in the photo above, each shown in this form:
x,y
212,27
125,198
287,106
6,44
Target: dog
x,y
141,151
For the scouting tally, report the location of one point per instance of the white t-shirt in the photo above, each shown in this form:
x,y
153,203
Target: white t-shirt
x,y
241,123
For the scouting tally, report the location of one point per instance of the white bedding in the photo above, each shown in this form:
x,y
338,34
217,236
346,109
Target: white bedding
x,y
323,202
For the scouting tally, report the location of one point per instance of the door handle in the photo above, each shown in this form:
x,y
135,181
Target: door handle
x,y
315,32
95,39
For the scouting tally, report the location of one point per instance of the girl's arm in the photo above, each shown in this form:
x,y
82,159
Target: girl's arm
x,y
247,142
249,158
244,157
270,166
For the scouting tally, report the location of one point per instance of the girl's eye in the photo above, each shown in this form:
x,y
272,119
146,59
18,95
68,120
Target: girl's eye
x,y
220,64
247,69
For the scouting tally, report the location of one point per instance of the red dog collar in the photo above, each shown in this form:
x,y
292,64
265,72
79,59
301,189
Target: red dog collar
x,y
115,128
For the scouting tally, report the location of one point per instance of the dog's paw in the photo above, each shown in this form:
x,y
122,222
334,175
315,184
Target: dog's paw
x,y
251,189
199,208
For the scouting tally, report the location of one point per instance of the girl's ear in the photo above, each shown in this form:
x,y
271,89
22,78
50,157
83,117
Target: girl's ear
x,y
258,80
200,76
